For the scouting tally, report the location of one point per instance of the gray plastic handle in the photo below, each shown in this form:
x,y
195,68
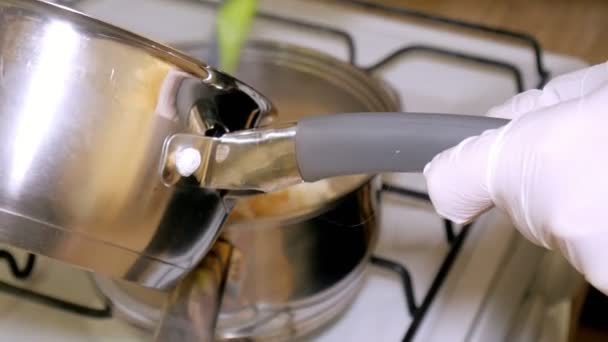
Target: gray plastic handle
x,y
368,143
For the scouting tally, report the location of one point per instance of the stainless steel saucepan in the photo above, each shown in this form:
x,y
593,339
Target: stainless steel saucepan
x,y
85,110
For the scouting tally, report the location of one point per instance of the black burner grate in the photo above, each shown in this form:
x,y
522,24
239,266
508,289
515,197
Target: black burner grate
x,y
455,241
498,32
55,302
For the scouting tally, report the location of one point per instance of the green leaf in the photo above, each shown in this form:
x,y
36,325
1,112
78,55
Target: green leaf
x,y
234,22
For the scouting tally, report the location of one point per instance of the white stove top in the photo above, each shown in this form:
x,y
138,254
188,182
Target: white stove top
x,y
411,234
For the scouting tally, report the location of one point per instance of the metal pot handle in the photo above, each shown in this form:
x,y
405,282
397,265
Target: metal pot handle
x,y
191,310
316,148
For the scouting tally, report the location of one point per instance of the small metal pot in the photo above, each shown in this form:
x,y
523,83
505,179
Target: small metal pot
x,y
84,116
299,255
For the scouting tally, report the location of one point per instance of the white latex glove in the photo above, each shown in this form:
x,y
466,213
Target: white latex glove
x,y
547,169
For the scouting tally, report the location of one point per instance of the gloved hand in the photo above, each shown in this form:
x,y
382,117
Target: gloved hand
x,y
547,169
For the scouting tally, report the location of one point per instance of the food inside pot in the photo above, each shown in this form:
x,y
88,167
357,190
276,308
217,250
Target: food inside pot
x,y
283,202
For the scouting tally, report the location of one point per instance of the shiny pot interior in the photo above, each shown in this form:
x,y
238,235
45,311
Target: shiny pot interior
x,y
298,249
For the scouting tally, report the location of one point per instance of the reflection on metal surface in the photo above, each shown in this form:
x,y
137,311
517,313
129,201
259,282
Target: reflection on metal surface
x,y
58,48
262,159
191,309
84,111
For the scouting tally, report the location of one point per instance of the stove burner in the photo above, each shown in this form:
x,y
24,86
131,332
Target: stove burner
x,y
454,240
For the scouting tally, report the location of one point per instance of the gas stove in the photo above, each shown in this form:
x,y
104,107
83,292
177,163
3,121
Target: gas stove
x,y
429,280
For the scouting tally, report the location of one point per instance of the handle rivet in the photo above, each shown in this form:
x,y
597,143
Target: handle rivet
x,y
187,161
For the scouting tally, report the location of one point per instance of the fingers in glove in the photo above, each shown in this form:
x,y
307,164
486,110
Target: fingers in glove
x,y
456,178
560,89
